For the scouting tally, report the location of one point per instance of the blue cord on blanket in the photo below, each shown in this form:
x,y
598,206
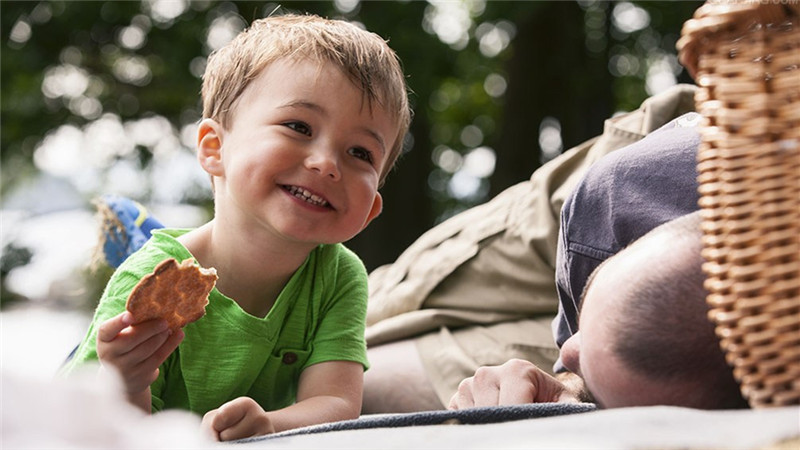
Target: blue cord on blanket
x,y
472,416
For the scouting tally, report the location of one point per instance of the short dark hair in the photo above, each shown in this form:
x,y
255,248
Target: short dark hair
x,y
663,329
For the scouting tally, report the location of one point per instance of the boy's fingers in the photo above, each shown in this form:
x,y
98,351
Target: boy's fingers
x,y
109,329
207,424
237,419
142,360
147,348
242,418
238,431
166,349
228,415
124,337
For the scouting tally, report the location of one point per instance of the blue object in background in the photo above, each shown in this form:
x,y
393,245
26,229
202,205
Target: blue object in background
x,y
127,225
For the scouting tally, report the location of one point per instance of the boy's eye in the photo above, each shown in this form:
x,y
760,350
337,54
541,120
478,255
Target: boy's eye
x,y
299,127
361,153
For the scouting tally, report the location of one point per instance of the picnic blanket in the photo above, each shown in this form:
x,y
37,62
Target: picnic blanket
x,y
662,427
90,412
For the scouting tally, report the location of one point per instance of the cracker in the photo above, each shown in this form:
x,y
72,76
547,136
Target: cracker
x,y
177,293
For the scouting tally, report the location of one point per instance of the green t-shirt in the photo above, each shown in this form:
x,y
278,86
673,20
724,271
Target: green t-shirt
x,y
319,316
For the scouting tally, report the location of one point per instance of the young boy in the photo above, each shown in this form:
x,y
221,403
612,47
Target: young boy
x,y
303,119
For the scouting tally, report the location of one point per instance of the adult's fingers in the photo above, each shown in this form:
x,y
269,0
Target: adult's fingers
x,y
512,383
463,396
516,392
486,386
520,382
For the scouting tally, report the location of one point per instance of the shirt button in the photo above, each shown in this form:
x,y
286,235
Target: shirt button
x,y
289,358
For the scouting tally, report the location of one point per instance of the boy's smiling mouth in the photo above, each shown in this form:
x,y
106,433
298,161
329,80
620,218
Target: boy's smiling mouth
x,y
307,196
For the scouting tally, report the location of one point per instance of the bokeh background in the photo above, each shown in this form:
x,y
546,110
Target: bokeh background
x,y
103,97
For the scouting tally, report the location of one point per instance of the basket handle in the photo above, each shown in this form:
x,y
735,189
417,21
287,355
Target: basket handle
x,y
719,16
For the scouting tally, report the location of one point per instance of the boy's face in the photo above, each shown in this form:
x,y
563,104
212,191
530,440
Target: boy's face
x,y
302,155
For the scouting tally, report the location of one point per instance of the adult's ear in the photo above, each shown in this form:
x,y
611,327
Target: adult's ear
x,y
209,147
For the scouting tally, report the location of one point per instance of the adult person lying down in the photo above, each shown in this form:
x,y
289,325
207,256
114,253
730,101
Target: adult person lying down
x,y
621,198
479,289
644,336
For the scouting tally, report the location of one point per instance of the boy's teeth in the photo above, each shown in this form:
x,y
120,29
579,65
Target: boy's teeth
x,y
307,196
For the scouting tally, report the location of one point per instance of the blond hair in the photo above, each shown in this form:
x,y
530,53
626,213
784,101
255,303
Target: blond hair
x,y
364,56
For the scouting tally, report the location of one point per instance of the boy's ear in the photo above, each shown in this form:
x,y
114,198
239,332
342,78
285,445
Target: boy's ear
x,y
377,208
209,147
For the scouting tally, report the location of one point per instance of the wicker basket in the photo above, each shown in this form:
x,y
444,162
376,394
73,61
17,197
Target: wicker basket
x,y
745,58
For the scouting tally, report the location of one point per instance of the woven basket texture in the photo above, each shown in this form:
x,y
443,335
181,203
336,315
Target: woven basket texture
x,y
745,58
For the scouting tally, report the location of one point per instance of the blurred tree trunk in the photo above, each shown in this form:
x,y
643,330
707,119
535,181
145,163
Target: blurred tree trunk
x,y
550,74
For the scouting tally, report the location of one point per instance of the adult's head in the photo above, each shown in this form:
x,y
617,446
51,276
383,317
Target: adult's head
x,y
645,337
364,56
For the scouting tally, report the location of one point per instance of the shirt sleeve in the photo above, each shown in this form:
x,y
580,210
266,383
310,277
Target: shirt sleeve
x,y
340,336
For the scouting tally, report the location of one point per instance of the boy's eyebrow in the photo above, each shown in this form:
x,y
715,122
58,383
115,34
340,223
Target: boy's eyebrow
x,y
315,107
303,104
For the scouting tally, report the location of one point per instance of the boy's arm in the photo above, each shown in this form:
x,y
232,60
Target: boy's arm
x,y
328,392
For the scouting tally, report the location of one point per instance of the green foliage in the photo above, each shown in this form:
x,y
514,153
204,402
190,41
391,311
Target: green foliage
x,y
564,60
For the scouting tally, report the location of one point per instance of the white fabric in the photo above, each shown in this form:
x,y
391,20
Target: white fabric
x,y
90,414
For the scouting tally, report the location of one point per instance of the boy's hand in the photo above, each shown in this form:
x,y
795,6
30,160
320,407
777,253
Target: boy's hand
x,y
136,351
237,419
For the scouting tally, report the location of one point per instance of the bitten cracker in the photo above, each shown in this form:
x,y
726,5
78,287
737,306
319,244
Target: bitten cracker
x,y
177,293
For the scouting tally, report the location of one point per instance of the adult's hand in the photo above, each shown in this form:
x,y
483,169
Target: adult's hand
x,y
515,382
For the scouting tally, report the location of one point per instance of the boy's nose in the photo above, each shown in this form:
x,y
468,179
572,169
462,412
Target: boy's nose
x,y
324,162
